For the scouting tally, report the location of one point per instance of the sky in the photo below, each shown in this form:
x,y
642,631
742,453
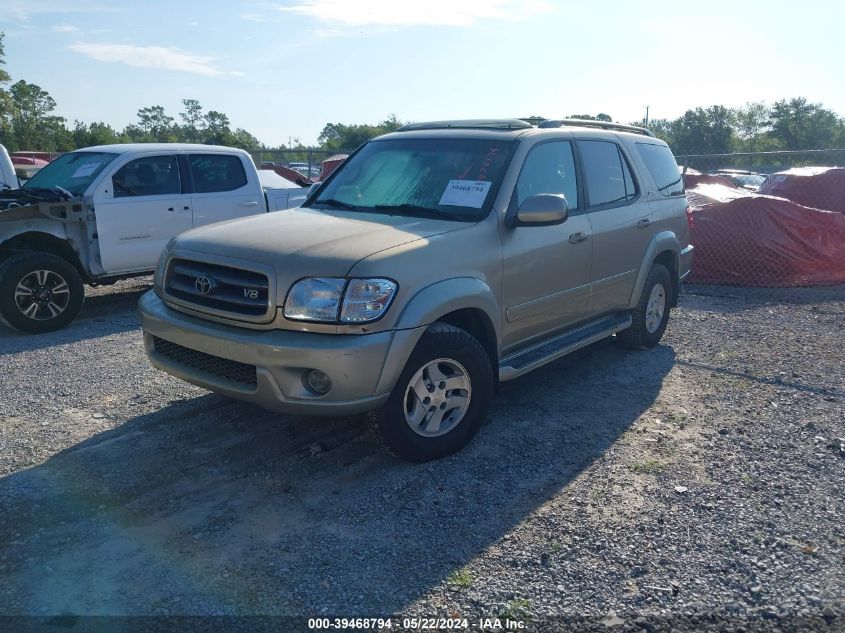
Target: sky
x,y
283,69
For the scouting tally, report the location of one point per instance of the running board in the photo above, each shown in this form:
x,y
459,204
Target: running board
x,y
525,360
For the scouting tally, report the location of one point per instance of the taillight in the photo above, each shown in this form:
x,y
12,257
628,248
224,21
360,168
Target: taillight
x,y
690,220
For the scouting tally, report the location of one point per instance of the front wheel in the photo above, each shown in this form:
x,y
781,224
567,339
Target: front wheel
x,y
651,315
39,292
440,399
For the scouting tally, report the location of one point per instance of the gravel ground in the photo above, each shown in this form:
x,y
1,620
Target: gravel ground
x,y
697,485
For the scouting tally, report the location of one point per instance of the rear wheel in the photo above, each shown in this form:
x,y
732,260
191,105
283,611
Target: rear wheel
x,y
440,399
39,292
651,315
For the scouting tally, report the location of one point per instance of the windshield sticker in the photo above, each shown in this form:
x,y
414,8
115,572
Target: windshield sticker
x,y
85,170
465,193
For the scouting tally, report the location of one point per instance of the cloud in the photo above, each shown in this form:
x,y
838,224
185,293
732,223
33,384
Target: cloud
x,y
25,10
415,12
64,28
151,57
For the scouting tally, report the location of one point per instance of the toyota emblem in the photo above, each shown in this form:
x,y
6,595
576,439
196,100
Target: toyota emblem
x,y
203,285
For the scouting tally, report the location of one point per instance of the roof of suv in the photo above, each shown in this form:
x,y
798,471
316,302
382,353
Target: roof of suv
x,y
502,129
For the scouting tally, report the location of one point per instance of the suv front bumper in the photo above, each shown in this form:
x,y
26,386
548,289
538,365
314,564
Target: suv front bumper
x,y
363,367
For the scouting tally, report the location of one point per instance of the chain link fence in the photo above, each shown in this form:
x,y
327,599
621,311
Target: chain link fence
x,y
314,164
767,226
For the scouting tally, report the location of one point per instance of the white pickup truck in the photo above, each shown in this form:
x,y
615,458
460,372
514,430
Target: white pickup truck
x,y
105,213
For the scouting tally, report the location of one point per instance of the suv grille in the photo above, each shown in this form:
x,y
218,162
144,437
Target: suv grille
x,y
214,365
219,287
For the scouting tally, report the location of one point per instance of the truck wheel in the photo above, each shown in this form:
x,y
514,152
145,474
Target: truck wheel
x,y
652,312
440,399
39,292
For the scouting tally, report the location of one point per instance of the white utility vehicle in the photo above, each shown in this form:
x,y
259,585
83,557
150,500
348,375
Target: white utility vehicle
x,y
105,213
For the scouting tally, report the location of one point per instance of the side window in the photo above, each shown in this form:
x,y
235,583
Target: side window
x,y
549,168
606,173
147,176
663,168
217,172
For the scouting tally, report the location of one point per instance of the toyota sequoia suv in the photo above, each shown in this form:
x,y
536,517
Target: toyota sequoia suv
x,y
435,262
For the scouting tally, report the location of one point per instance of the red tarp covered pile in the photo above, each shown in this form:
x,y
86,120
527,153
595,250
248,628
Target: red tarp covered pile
x,y
817,187
748,239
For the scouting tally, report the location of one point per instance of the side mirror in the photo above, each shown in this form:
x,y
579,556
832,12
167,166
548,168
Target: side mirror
x,y
313,188
542,209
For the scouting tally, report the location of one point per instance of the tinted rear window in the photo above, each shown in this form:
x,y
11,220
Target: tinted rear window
x,y
217,172
663,168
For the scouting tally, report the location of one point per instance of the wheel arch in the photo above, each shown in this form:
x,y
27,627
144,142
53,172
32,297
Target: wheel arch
x,y
664,248
40,241
465,302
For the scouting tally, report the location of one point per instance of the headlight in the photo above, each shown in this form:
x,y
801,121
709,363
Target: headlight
x,y
333,300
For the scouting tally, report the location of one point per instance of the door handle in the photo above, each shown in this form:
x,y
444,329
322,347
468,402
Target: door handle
x,y
170,209
248,203
577,238
643,223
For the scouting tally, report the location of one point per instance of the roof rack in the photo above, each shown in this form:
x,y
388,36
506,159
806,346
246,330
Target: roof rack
x,y
605,125
469,124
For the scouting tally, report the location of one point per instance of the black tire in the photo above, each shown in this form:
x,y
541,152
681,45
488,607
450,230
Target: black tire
x,y
389,424
638,335
56,309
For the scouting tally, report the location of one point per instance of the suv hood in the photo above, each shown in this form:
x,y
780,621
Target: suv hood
x,y
306,242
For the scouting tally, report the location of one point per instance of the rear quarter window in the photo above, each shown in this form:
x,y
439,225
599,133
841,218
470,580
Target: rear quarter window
x,y
663,168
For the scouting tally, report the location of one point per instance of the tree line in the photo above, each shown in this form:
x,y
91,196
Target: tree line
x,y
788,124
28,122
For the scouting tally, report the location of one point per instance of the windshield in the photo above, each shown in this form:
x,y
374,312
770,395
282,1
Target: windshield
x,y
72,172
453,179
749,180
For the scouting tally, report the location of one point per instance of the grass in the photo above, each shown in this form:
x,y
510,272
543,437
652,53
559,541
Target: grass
x,y
647,466
461,579
517,609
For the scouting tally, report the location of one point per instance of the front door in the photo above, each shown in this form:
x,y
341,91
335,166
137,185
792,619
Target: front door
x,y
546,268
138,211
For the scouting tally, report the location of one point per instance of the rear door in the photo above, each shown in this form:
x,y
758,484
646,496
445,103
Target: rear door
x,y
138,210
223,189
546,268
621,221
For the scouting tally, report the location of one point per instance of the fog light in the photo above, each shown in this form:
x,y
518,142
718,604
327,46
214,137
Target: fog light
x,y
318,382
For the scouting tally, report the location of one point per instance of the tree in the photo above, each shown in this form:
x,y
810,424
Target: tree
x,y
192,118
703,131
601,116
243,139
217,128
752,123
5,99
95,134
799,124
33,125
156,123
338,137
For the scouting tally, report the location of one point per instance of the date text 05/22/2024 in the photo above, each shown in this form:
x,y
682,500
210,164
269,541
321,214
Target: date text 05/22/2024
x,y
416,624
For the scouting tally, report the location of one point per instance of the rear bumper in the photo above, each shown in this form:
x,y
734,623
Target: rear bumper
x,y
363,368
